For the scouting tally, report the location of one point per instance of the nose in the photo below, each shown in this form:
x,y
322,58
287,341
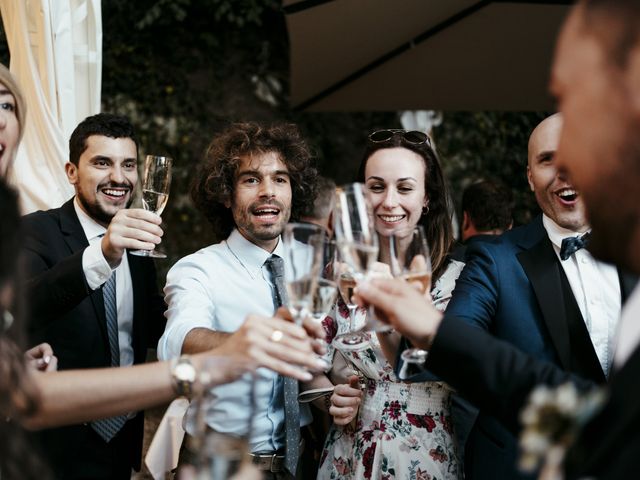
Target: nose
x,y
390,199
116,175
267,188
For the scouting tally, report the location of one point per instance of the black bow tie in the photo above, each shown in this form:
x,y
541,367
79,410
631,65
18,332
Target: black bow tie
x,y
571,245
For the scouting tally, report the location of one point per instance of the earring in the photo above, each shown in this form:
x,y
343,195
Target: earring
x,y
7,320
425,211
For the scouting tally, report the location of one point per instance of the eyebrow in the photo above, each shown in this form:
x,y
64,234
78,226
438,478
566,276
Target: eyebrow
x,y
403,179
258,173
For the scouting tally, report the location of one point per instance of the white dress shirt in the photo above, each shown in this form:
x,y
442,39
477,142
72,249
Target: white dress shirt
x,y
216,288
596,288
97,271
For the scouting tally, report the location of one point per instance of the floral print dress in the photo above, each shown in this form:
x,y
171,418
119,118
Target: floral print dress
x,y
403,430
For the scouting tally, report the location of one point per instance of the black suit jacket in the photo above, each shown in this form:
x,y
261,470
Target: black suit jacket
x,y
498,378
66,313
514,287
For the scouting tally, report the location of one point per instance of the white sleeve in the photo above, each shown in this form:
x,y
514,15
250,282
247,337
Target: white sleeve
x,y
95,266
189,304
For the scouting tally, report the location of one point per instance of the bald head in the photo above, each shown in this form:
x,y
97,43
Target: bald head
x,y
556,196
545,138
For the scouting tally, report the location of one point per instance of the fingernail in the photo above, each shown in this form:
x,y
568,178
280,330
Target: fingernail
x,y
46,359
307,377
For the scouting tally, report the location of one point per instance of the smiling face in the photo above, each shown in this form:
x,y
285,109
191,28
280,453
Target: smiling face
x,y
261,202
9,130
600,145
105,176
555,195
395,182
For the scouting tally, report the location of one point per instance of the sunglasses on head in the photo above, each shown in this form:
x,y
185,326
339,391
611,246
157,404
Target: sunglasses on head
x,y
412,137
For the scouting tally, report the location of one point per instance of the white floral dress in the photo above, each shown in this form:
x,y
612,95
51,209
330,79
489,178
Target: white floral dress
x,y
403,430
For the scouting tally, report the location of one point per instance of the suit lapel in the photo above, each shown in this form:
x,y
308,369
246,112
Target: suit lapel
x,y
628,282
76,239
541,267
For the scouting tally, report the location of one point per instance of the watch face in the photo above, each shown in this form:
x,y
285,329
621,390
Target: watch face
x,y
185,372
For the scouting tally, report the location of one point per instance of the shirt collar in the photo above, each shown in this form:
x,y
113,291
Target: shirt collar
x,y
92,229
250,254
557,233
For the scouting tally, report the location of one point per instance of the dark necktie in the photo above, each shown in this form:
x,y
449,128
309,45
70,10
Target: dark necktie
x,y
275,265
571,245
107,428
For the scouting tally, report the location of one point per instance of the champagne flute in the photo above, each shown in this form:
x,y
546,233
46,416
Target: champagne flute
x,y
410,260
220,455
326,289
303,248
155,192
358,245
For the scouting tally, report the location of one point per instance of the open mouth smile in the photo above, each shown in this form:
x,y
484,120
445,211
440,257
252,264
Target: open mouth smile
x,y
567,196
391,218
115,193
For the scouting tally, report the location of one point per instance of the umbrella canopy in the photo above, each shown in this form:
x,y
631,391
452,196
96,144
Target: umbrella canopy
x,y
363,55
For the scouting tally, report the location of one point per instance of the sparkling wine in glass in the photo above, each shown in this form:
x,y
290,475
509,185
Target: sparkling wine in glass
x,y
358,247
155,192
303,248
326,289
410,260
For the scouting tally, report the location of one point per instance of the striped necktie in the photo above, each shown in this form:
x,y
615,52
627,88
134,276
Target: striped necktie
x,y
275,265
107,428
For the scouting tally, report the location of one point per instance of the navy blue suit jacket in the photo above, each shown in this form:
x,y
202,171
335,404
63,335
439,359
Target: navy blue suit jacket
x,y
514,287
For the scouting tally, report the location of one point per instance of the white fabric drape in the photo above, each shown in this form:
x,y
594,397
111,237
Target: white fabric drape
x,y
56,56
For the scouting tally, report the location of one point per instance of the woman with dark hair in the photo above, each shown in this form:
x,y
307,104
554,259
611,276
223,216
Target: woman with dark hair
x,y
403,430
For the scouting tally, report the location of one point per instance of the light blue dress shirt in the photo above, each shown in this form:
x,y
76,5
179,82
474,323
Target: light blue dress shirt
x,y
216,288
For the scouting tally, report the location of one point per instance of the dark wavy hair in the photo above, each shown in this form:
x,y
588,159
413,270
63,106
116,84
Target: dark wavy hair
x,y
437,220
18,393
215,180
104,124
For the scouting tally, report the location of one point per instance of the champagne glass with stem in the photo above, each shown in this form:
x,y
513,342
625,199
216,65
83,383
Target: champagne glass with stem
x,y
303,249
357,242
326,289
410,260
221,455
155,192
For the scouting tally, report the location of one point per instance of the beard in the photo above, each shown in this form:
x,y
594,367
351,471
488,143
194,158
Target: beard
x,y
97,211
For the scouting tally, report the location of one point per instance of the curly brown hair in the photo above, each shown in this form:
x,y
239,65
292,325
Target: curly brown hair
x,y
215,180
437,220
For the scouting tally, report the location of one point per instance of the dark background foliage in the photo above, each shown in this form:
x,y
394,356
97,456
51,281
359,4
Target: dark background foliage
x,y
184,69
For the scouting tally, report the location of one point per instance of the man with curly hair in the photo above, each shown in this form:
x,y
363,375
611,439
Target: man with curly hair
x,y
253,181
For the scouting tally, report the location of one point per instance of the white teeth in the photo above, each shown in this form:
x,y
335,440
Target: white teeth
x,y
274,212
567,193
114,193
391,218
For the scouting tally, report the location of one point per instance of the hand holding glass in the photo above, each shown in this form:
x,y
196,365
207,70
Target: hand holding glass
x,y
155,192
410,260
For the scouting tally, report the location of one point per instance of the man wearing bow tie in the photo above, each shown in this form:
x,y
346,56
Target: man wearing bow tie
x,y
518,288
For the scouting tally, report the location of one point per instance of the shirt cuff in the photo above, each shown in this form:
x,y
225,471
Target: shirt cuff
x,y
96,269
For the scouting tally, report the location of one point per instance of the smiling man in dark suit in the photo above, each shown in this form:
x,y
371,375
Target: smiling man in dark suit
x,y
596,79
522,288
97,305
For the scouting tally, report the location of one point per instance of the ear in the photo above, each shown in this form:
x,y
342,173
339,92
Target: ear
x,y
529,178
227,202
72,173
466,220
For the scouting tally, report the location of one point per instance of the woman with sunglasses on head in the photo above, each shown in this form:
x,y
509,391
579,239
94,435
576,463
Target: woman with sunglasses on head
x,y
393,429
